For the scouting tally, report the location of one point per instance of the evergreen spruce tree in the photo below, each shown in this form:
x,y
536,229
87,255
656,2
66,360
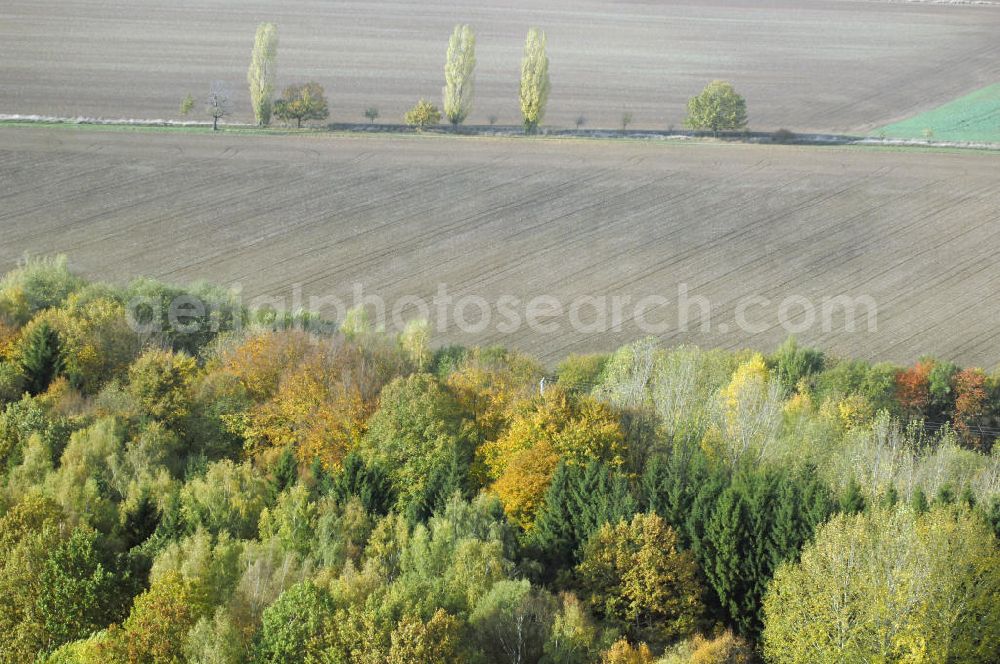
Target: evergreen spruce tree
x,y
41,360
730,558
553,541
918,501
599,496
141,521
447,478
967,497
286,471
742,532
945,495
786,534
322,479
578,502
817,503
890,497
669,487
853,501
701,511
171,527
370,484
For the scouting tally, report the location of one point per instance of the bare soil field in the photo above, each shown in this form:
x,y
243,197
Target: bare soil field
x,y
918,232
839,65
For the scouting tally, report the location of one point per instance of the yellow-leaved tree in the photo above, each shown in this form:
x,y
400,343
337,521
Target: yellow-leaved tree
x,y
534,80
306,396
261,74
459,74
889,585
636,579
542,431
748,415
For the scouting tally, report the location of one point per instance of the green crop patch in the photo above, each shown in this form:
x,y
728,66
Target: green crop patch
x,y
972,118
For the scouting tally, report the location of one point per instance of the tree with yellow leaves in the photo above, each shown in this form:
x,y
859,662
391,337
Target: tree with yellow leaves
x,y
748,414
579,429
261,74
623,652
635,578
436,641
459,74
415,342
160,381
487,385
259,362
543,431
317,409
534,80
97,342
302,102
889,585
525,480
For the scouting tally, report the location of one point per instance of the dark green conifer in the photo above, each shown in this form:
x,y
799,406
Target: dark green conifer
x,y
41,360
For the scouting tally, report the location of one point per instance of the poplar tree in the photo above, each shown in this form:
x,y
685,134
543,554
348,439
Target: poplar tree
x,y
459,74
261,74
534,80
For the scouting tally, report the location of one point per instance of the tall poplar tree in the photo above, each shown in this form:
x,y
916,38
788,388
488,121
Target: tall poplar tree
x,y
459,74
534,80
261,74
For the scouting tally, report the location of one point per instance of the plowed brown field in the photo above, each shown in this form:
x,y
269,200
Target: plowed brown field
x,y
808,65
917,231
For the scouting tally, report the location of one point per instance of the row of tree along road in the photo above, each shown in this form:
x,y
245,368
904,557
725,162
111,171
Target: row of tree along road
x,y
717,108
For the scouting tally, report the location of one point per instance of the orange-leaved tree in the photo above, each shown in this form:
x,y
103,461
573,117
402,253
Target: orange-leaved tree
x,y
542,431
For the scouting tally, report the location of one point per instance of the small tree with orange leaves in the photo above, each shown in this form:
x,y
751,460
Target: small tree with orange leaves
x,y
913,389
970,405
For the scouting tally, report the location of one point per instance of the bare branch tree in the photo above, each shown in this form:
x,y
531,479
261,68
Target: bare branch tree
x,y
219,104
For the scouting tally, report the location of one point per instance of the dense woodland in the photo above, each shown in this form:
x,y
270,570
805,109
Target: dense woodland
x,y
236,486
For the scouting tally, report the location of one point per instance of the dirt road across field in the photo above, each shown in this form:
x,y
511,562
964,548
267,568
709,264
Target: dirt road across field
x,y
744,230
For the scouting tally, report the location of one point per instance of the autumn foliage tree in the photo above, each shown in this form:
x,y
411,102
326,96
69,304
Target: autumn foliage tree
x,y
312,398
436,641
913,389
261,74
302,103
889,585
634,575
543,431
161,381
155,629
970,405
424,114
459,74
535,85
